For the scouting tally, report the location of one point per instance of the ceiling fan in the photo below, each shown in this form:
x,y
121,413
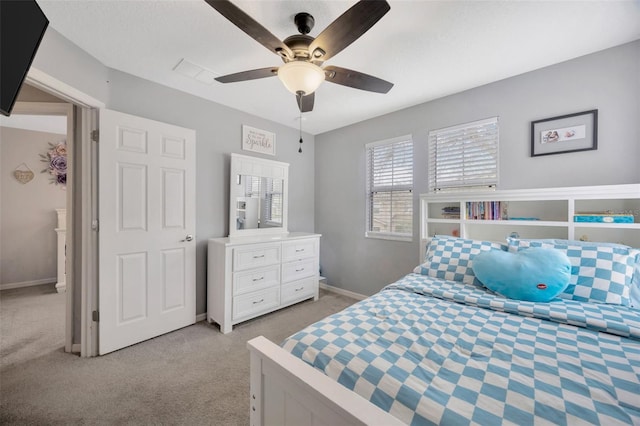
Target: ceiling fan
x,y
303,55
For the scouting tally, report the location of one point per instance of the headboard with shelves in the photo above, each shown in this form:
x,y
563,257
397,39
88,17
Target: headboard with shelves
x,y
534,213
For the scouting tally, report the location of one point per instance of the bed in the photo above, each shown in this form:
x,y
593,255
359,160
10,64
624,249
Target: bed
x,y
439,347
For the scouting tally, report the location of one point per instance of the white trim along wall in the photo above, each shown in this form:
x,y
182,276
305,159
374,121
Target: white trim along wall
x,y
8,286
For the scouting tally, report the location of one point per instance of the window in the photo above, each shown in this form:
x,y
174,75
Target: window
x,y
273,200
269,193
390,189
464,156
252,186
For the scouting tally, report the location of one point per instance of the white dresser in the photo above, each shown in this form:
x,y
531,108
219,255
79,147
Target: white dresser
x,y
251,276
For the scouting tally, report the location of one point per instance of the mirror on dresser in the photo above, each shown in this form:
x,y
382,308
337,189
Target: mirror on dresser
x,y
258,196
259,204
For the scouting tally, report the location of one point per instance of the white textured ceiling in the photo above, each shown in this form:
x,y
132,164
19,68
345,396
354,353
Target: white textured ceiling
x,y
428,49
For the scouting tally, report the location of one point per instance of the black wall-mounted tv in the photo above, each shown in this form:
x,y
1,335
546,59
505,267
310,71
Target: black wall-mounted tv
x,y
22,26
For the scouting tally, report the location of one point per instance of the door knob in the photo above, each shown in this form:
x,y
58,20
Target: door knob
x,y
188,238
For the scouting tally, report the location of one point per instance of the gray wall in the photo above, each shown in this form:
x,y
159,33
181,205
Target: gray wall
x,y
66,62
218,133
28,220
608,81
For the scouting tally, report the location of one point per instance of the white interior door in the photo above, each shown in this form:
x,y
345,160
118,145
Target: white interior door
x,y
147,229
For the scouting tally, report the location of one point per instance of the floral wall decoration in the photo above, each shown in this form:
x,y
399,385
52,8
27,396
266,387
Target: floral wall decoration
x,y
56,159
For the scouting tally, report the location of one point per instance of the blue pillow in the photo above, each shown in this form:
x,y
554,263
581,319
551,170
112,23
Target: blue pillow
x,y
535,274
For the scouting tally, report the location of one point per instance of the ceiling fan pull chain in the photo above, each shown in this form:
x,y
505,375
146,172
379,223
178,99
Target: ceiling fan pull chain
x,y
300,94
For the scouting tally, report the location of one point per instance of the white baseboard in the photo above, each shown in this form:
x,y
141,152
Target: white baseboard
x,y
343,292
8,286
201,317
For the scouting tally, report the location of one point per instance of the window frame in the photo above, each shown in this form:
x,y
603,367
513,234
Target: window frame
x,y
474,184
393,236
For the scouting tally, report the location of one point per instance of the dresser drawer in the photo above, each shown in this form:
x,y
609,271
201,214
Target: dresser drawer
x,y
298,290
299,249
293,271
255,256
255,279
253,304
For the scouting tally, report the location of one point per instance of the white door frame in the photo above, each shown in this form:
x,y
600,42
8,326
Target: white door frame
x,y
85,234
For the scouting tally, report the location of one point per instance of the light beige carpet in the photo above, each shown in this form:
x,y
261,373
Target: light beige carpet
x,y
192,376
31,322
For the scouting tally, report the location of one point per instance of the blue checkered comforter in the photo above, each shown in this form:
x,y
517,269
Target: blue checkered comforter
x,y
431,351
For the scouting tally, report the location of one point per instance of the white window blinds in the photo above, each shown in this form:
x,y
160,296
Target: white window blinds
x,y
390,188
464,156
273,200
252,186
269,192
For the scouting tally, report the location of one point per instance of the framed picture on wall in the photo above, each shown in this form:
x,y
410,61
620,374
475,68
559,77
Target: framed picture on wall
x,y
565,133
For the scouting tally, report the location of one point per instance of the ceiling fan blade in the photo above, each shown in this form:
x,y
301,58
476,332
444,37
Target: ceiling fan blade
x,y
250,26
307,102
356,79
248,75
347,28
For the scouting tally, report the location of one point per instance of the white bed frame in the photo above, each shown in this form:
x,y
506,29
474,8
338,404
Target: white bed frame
x,y
287,391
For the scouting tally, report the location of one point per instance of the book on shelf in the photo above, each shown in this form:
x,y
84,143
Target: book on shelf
x,y
485,210
451,212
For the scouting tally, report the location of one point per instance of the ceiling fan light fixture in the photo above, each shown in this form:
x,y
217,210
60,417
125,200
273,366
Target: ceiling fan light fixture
x,y
301,76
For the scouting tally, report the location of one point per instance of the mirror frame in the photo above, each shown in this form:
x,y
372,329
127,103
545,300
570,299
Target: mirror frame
x,y
253,166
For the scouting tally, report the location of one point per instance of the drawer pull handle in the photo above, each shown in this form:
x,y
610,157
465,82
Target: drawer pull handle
x,y
300,270
258,301
258,279
298,289
258,257
299,250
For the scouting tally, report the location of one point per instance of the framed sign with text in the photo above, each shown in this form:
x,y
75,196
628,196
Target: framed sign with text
x,y
259,141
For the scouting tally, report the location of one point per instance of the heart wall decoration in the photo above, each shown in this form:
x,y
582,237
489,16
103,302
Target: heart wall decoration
x,y
23,176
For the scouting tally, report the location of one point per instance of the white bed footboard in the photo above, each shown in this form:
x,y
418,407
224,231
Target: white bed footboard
x,y
287,391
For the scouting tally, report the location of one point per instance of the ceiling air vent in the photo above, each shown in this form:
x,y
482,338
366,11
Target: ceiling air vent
x,y
196,72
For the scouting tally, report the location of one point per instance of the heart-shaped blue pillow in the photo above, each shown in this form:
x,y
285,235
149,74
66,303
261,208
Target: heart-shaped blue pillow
x,y
535,274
